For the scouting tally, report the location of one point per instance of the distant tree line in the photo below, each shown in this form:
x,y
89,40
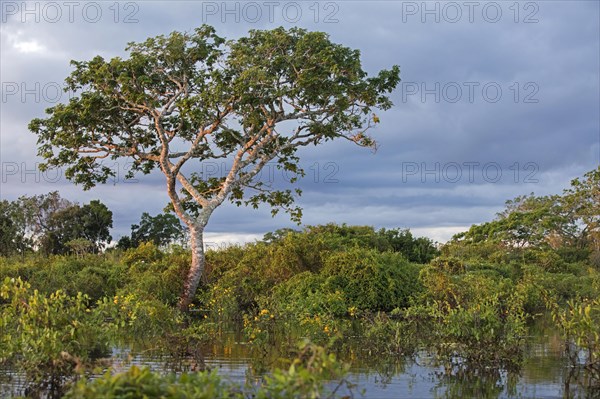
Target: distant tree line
x,y
567,224
51,224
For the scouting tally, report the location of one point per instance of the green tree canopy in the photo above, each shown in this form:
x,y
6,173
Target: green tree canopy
x,y
569,222
162,229
90,222
418,250
582,202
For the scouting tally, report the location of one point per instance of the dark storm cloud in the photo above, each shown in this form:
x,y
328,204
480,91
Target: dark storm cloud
x,y
540,133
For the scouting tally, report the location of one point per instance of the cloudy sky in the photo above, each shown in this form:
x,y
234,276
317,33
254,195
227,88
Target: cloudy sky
x,y
497,99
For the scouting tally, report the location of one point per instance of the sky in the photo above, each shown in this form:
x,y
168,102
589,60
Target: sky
x,y
497,99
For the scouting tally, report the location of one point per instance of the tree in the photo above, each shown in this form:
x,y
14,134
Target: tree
x,y
162,229
125,242
96,220
80,246
527,221
9,243
185,98
419,250
278,235
582,201
34,213
567,224
24,222
62,226
90,222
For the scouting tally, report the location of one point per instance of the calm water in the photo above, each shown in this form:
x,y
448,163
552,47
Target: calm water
x,y
544,374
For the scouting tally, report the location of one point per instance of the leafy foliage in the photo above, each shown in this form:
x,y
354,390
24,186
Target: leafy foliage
x,y
579,322
53,225
50,338
566,225
90,222
323,269
162,229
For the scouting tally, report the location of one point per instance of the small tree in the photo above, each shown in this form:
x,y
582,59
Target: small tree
x,y
193,97
162,230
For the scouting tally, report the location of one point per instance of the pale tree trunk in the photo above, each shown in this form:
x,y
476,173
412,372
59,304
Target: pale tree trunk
x,y
196,269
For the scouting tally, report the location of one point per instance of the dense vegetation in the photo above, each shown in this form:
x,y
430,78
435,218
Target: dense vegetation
x,y
53,225
470,305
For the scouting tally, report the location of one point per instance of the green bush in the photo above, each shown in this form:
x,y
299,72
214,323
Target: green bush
x,y
566,286
145,253
306,294
92,281
392,335
370,279
133,318
161,279
219,261
348,257
486,337
50,338
218,303
466,288
473,321
91,275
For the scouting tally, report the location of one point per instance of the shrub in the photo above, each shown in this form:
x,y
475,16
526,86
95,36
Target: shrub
x,y
481,338
370,279
132,317
145,253
50,338
305,294
219,303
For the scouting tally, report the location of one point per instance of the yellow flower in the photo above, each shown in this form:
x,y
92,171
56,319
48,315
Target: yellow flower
x,y
326,329
264,311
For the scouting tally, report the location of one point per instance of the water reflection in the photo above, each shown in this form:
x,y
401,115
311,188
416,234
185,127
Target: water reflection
x,y
545,372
